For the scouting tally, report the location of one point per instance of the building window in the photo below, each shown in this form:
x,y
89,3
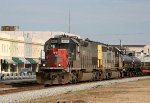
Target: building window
x,y
4,66
2,48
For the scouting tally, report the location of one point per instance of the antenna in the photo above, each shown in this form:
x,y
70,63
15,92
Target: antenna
x,y
120,44
69,21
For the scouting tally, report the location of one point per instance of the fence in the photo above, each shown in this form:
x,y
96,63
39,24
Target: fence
x,y
14,76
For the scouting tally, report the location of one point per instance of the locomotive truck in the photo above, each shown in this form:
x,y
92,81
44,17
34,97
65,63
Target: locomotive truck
x,y
71,60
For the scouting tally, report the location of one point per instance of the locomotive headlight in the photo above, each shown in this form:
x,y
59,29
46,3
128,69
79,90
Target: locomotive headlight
x,y
59,65
54,52
43,65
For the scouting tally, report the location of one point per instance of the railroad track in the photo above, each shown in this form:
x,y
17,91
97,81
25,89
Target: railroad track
x,y
13,87
6,88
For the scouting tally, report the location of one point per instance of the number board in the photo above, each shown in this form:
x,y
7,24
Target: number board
x,y
53,41
64,41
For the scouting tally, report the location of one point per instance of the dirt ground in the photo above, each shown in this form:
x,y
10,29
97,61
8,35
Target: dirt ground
x,y
131,92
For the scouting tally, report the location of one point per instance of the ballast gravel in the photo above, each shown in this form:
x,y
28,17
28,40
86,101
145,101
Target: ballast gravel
x,y
29,95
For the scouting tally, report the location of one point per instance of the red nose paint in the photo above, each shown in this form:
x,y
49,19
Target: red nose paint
x,y
56,58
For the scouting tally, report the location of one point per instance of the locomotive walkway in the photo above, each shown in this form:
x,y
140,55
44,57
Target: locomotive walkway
x,y
29,95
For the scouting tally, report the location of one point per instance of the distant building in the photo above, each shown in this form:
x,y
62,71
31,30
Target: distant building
x,y
9,28
147,49
137,49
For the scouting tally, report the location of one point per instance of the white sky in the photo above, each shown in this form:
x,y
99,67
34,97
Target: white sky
x,y
106,21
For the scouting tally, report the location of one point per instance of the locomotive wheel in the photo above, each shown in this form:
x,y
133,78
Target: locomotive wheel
x,y
101,76
97,76
74,81
63,78
74,77
107,76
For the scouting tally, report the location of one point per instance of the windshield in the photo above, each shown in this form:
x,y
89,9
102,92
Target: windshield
x,y
66,46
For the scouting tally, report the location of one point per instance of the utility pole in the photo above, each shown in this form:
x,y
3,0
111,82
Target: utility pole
x,y
120,44
69,21
119,56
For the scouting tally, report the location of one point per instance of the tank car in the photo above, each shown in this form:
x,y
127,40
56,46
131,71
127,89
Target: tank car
x,y
136,66
131,65
127,64
71,60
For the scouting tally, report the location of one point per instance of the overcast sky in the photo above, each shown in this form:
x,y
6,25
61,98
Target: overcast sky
x,y
106,21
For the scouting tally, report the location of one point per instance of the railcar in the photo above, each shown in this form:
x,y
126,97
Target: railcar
x,y
136,66
145,65
71,60
131,65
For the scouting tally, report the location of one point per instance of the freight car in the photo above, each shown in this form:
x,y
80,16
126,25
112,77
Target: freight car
x,y
131,65
72,60
145,65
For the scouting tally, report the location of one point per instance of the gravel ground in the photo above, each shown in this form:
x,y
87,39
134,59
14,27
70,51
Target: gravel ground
x,y
29,95
127,92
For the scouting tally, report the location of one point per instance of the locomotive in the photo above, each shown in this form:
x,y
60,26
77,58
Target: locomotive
x,y
69,59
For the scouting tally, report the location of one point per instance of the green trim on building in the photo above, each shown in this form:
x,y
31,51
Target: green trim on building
x,y
31,60
16,60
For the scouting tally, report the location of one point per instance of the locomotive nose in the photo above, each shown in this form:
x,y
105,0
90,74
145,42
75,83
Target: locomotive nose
x,y
57,58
